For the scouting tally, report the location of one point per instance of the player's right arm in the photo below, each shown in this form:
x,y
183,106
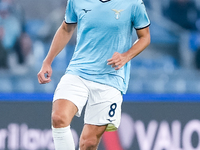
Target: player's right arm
x,y
61,38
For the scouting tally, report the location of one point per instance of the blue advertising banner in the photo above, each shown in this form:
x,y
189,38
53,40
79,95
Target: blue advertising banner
x,y
148,124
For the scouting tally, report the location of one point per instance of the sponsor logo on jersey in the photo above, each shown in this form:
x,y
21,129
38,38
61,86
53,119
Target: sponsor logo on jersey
x,y
86,10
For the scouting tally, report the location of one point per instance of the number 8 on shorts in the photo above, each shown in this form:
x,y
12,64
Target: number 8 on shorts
x,y
112,109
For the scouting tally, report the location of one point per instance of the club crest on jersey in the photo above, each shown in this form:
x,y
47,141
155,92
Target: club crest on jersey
x,y
117,13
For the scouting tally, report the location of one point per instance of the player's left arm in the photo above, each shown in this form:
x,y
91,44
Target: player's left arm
x,y
118,60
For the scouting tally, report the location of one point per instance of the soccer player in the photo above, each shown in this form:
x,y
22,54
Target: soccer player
x,y
98,73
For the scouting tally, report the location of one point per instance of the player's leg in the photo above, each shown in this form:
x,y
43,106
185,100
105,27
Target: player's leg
x,y
91,136
69,99
102,113
62,113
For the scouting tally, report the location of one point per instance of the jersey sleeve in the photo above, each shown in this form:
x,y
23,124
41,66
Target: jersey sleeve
x,y
70,15
140,18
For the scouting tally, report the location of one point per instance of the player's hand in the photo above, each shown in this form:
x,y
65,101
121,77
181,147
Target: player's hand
x,y
44,76
118,60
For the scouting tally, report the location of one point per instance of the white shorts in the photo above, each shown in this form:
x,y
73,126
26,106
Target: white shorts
x,y
103,101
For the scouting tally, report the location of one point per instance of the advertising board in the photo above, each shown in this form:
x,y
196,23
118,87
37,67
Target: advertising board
x,y
26,125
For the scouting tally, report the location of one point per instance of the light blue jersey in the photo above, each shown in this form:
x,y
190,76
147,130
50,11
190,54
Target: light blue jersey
x,y
104,28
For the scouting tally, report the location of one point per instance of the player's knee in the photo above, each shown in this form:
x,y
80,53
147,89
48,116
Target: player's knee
x,y
58,120
89,143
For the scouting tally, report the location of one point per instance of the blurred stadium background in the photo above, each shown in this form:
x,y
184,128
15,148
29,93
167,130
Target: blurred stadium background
x,y
161,107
